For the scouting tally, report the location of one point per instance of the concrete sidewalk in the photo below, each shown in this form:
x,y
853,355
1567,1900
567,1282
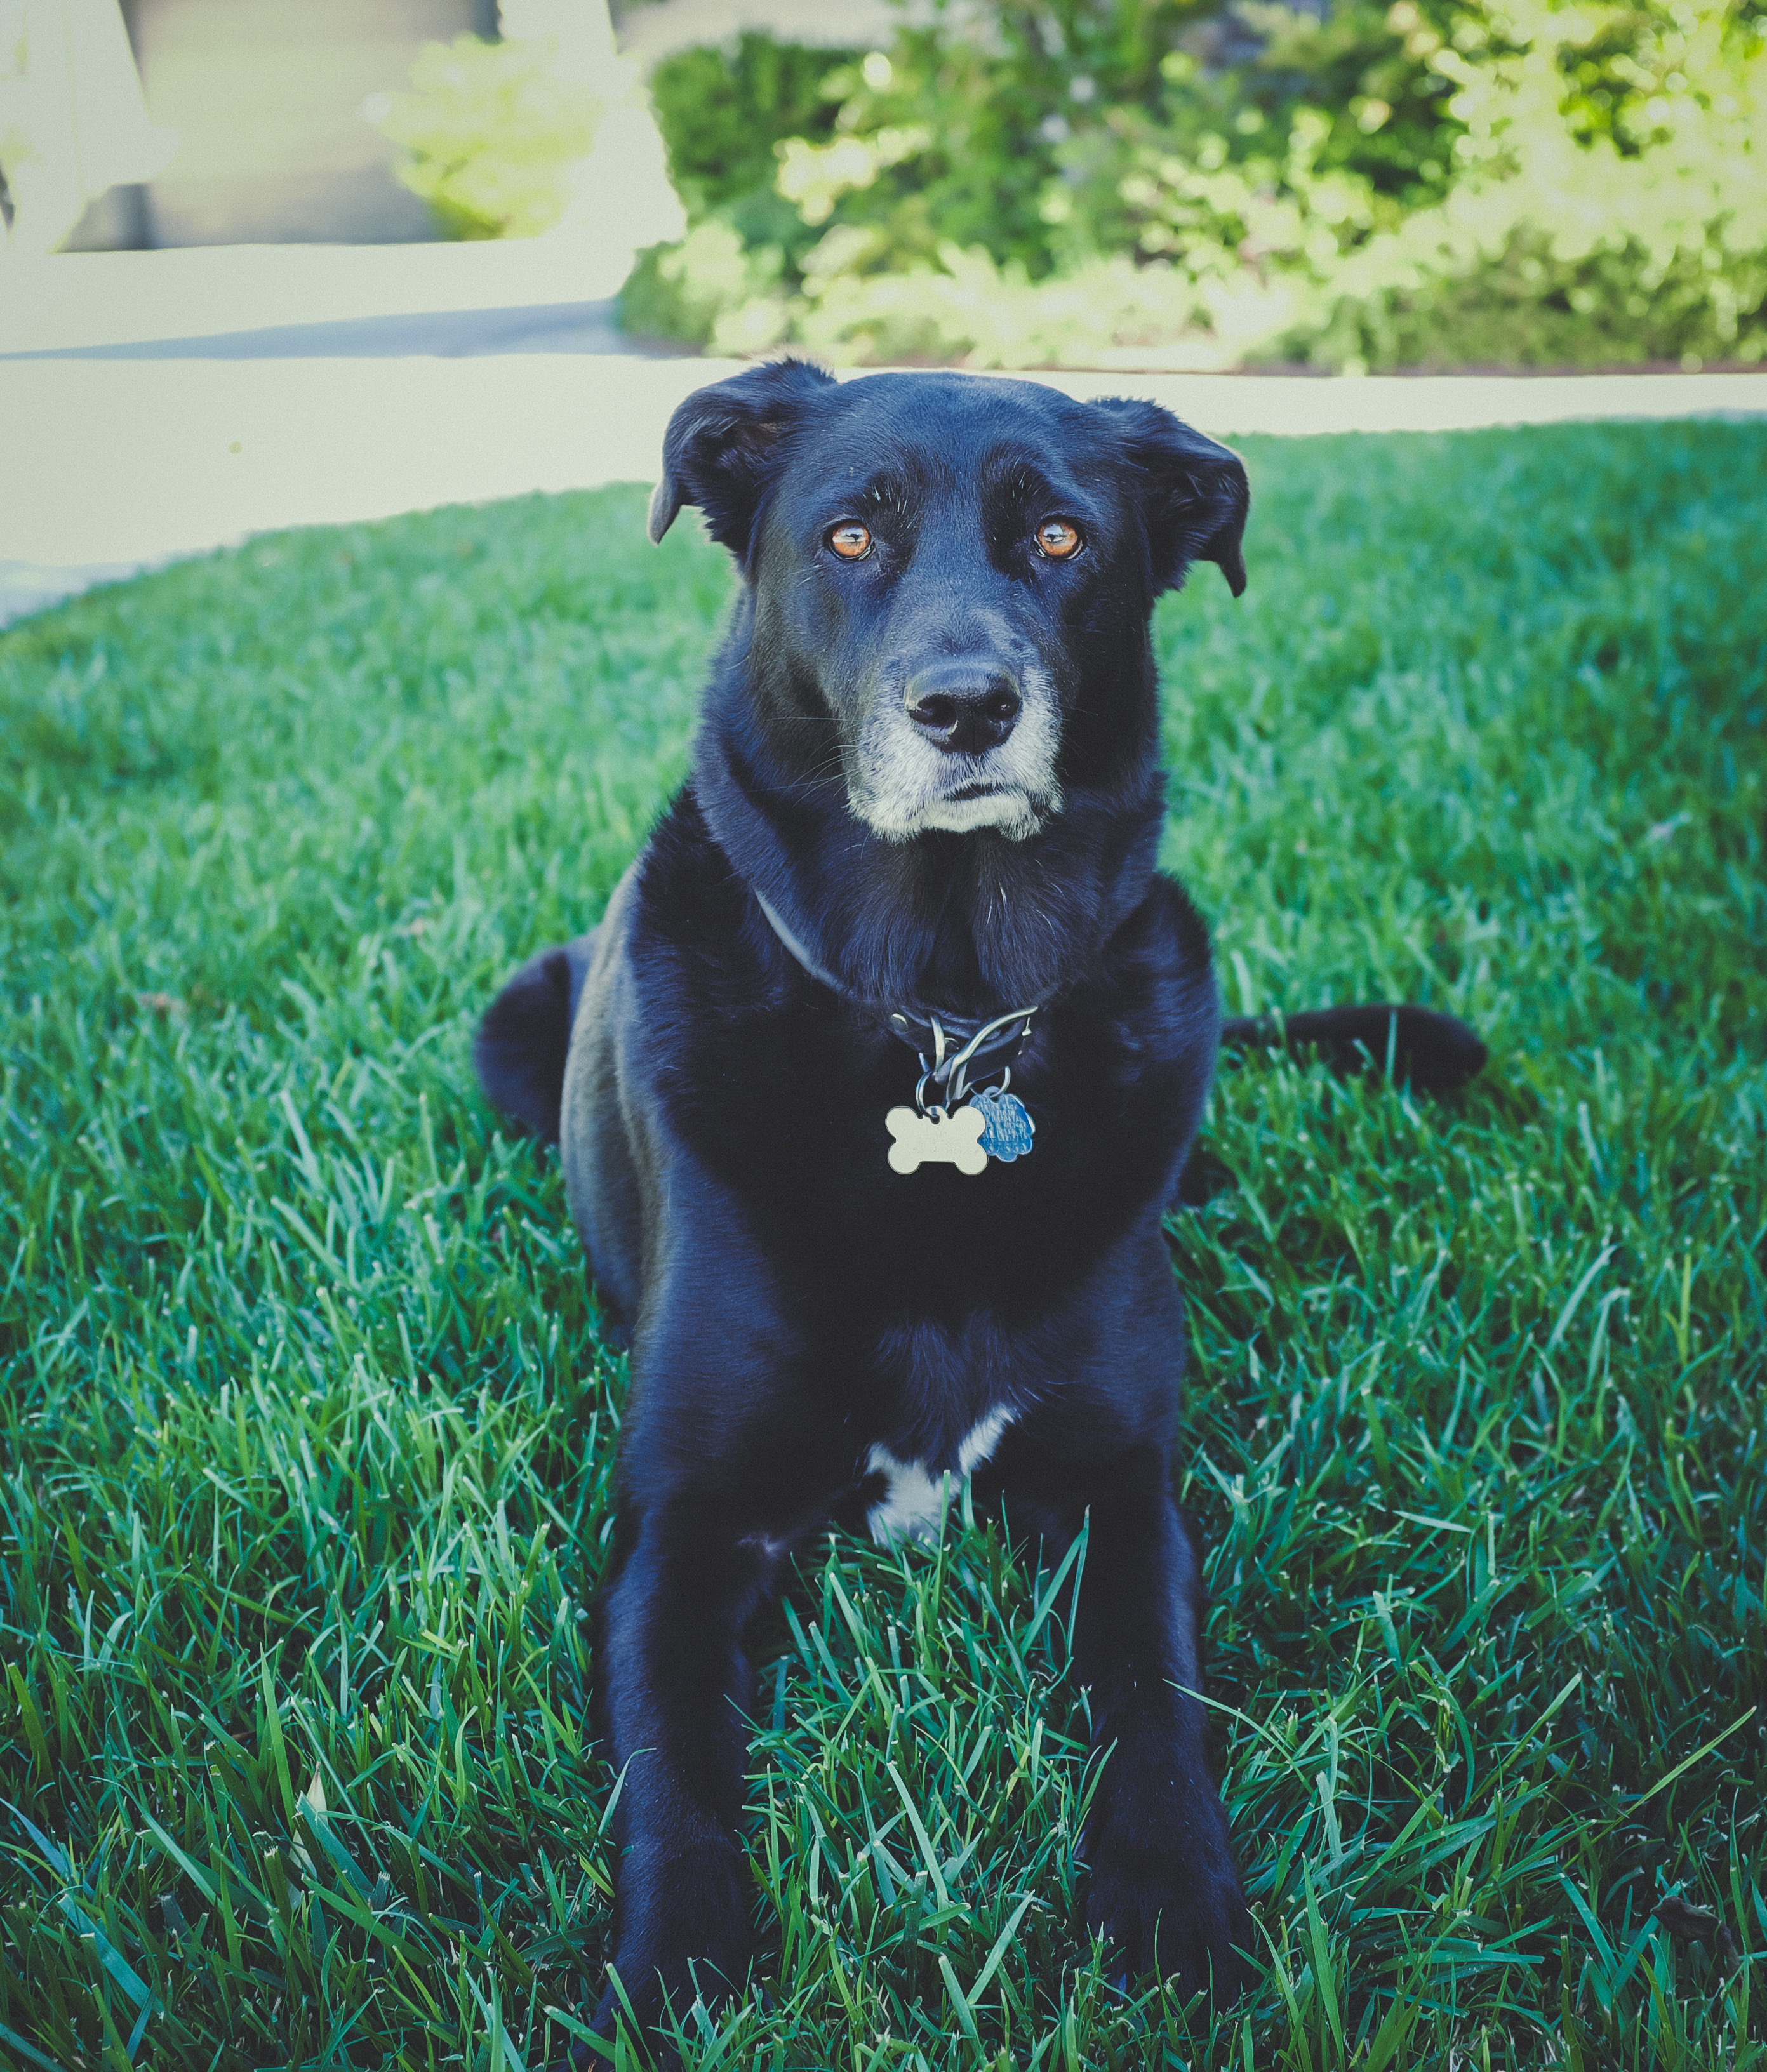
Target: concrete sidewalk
x,y
176,418
114,466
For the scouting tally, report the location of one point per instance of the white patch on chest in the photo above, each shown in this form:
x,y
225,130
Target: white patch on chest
x,y
912,1505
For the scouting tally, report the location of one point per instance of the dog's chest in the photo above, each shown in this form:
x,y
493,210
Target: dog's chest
x,y
916,1495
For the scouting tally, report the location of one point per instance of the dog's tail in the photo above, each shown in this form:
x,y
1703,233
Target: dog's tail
x,y
1436,1053
525,1039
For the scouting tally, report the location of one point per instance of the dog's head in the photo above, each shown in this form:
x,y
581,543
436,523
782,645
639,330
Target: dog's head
x,y
957,571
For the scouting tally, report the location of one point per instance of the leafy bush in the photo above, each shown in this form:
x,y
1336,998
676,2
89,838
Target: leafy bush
x,y
1624,221
491,133
723,113
1515,181
710,290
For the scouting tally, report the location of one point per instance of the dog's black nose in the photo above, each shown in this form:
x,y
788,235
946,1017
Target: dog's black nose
x,y
966,707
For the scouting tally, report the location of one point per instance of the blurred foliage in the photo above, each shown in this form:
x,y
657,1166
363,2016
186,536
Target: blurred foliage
x,y
722,112
1100,183
491,133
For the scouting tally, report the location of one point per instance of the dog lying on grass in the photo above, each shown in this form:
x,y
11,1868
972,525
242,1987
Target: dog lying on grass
x,y
874,1085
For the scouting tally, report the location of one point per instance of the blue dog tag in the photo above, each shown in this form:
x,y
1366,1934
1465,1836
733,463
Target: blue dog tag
x,y
1006,1130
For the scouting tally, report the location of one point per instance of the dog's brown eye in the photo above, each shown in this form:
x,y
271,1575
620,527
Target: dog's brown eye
x,y
850,540
1058,539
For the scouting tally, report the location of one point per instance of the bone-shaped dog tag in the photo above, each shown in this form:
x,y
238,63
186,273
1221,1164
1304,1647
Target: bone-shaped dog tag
x,y
931,1139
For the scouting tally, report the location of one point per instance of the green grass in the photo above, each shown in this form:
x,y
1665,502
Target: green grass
x,y
307,1427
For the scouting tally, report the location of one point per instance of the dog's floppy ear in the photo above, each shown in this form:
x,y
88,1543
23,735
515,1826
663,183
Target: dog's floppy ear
x,y
726,443
1195,495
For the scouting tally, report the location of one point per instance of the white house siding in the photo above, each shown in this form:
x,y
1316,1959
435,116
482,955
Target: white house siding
x,y
266,95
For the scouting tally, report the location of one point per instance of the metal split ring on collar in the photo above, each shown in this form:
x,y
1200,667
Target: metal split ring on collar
x,y
950,1066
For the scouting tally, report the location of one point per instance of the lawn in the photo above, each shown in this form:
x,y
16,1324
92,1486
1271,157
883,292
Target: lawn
x,y
305,1471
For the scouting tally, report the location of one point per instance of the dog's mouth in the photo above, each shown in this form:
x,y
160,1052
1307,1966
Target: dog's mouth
x,y
1015,810
1009,809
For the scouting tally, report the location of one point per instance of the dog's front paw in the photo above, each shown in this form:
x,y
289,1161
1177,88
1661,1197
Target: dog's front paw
x,y
682,1936
1173,1912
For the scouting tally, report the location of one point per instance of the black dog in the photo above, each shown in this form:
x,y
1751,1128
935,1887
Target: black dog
x,y
922,819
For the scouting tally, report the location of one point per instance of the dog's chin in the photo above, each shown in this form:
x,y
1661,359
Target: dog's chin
x,y
1007,808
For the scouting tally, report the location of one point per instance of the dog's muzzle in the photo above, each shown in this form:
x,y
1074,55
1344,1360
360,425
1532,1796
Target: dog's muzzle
x,y
968,742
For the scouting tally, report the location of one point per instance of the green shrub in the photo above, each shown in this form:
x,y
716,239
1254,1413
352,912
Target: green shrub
x,y
954,135
710,289
1517,180
1630,226
491,135
721,111
722,114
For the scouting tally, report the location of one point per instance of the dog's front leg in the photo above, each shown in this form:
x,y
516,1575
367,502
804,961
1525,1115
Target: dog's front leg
x,y
1162,1889
674,1696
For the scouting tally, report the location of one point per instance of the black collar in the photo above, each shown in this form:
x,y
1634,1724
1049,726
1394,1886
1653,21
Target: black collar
x,y
950,1046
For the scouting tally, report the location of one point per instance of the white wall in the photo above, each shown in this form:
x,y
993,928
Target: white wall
x,y
265,96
